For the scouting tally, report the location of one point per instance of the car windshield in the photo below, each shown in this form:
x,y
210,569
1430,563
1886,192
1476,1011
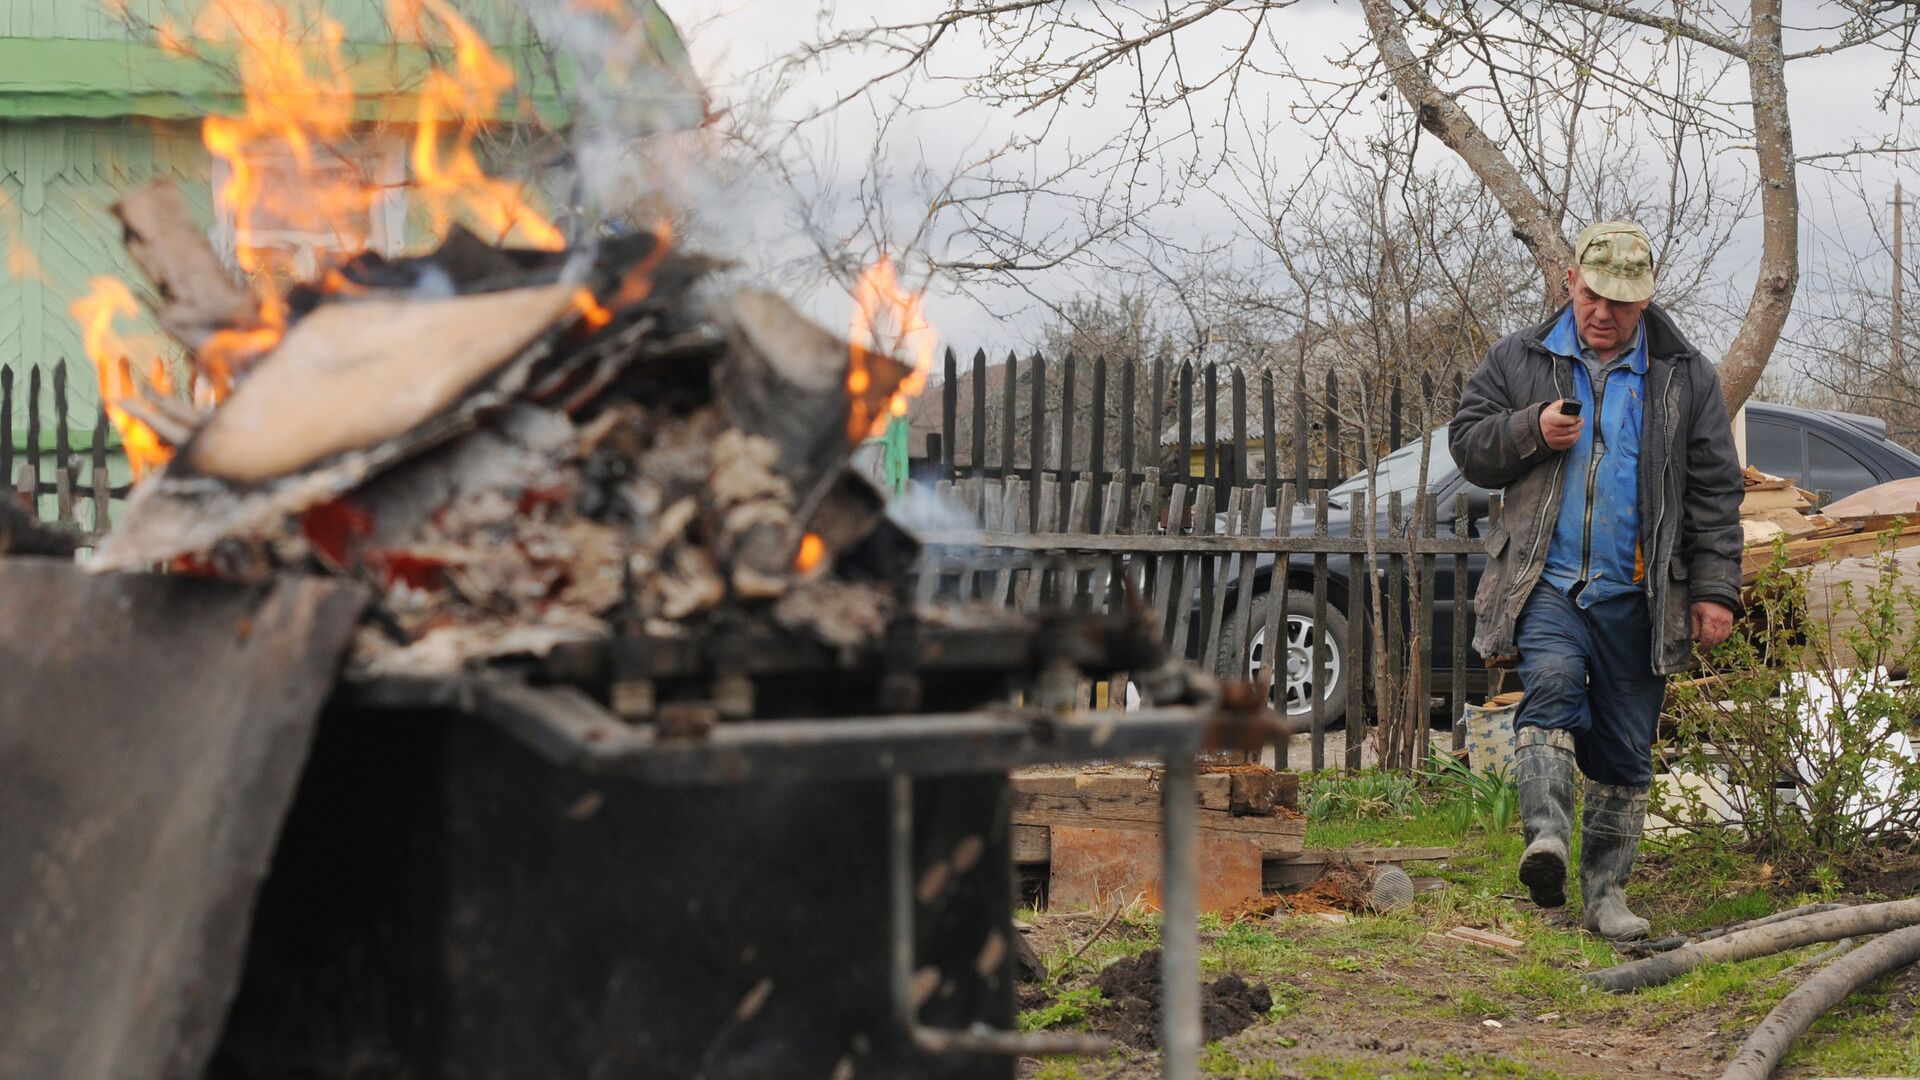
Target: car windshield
x,y
1398,471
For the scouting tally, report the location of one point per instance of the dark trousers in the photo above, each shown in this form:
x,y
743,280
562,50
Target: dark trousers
x,y
1590,671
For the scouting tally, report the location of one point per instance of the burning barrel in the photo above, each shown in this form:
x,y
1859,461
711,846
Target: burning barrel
x,y
533,692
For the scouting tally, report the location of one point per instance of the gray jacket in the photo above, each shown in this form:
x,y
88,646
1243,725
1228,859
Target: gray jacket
x,y
1690,484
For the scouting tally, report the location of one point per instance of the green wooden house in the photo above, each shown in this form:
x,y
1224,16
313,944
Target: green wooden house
x,y
91,106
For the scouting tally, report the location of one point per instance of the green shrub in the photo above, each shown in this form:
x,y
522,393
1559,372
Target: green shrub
x,y
1799,732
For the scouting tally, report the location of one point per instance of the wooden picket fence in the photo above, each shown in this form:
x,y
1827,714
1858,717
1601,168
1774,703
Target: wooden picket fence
x,y
1214,433
63,484
1196,570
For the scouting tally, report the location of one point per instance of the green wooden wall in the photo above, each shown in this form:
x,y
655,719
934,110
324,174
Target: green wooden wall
x,y
59,178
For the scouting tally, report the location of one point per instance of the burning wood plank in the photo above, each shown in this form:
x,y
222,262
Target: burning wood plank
x,y
198,299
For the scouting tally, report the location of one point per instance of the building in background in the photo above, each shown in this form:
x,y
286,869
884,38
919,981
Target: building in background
x,y
93,106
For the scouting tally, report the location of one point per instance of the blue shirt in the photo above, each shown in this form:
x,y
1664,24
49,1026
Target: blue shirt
x,y
1596,539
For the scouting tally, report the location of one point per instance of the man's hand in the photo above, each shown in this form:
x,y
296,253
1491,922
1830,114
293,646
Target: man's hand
x,y
1712,623
1558,429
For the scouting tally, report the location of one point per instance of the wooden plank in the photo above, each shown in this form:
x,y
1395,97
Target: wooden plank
x,y
6,423
1211,455
1183,607
1068,408
1357,585
62,430
977,450
1097,446
1238,457
1167,570
1280,833
1300,432
1317,662
1423,655
1330,423
949,413
1036,438
1216,609
33,432
1017,503
1270,436
1137,783
1009,405
1071,583
1486,939
1395,583
1032,845
1457,706
1273,664
1241,663
1185,421
1128,422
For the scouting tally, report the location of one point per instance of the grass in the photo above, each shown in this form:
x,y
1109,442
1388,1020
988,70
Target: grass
x,y
1396,971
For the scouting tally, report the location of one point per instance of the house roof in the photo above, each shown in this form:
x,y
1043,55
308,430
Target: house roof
x,y
73,61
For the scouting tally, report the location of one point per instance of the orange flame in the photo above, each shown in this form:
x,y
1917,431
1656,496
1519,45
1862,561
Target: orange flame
x,y
446,172
591,312
889,320
812,551
111,355
294,174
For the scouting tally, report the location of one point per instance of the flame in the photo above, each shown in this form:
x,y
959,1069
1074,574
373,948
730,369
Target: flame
x,y
591,312
812,551
637,283
892,321
112,358
445,171
294,174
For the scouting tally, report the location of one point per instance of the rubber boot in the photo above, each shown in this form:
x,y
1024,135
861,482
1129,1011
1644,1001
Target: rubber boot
x,y
1543,771
1610,838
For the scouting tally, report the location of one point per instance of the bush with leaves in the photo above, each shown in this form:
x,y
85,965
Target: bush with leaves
x,y
1799,736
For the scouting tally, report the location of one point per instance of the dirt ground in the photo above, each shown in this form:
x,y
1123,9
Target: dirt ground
x,y
1376,996
1335,1025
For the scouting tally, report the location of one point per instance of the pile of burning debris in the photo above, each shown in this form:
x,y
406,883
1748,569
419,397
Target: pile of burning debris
x,y
516,448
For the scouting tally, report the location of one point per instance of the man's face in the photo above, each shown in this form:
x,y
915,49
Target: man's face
x,y
1605,325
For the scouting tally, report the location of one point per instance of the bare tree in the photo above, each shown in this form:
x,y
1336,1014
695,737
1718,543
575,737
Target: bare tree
x,y
1524,93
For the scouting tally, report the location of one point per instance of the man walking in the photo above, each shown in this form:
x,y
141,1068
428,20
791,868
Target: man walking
x,y
1617,551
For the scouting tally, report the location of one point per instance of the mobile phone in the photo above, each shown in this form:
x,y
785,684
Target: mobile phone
x,y
1569,408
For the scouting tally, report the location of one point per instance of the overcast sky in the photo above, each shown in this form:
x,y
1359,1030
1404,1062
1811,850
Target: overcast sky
x,y
734,42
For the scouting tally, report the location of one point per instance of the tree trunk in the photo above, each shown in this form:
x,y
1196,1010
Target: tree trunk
x,y
1779,276
1448,122
1790,1019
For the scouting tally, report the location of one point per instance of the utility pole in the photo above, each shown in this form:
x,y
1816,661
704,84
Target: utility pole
x,y
1899,231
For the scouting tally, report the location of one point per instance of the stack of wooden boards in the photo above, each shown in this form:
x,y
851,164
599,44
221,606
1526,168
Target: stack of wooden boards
x,y
1776,512
1094,833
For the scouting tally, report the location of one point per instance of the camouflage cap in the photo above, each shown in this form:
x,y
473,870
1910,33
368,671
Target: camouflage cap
x,y
1616,260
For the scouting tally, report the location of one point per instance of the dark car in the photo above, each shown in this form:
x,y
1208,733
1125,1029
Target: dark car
x,y
1830,453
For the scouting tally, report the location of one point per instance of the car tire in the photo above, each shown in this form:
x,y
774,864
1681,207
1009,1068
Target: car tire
x,y
1290,695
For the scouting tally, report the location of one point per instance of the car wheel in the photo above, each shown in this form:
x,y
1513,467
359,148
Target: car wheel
x,y
1294,681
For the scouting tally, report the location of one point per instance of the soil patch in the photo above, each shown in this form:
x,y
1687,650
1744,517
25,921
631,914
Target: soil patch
x,y
1228,1005
1897,878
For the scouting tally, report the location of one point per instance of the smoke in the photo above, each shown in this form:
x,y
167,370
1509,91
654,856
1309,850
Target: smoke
x,y
627,83
925,512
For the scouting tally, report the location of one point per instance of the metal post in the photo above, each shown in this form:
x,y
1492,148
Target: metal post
x,y
1179,922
